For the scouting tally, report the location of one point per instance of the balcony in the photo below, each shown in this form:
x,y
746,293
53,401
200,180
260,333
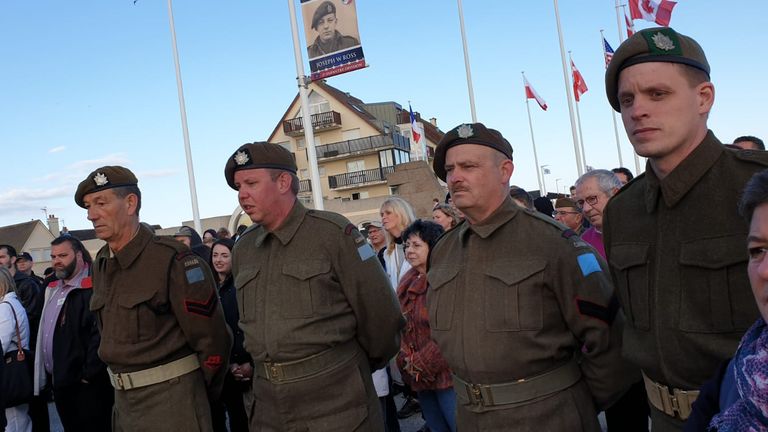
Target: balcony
x,y
305,186
363,145
320,121
359,178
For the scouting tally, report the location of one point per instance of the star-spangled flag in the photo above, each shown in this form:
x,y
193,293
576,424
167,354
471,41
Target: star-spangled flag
x,y
608,51
579,85
530,93
630,26
416,130
659,12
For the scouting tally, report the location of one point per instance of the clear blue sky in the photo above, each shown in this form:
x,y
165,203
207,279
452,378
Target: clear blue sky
x,y
88,83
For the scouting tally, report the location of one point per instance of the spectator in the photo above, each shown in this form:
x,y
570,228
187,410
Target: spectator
x,y
749,143
623,174
11,313
521,197
568,214
593,190
24,263
209,236
544,205
192,239
445,216
223,233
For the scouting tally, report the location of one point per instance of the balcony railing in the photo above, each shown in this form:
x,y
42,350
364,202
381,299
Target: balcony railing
x,y
360,145
359,177
305,186
323,120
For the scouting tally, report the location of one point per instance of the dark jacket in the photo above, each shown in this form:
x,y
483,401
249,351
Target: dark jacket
x,y
707,405
30,294
228,297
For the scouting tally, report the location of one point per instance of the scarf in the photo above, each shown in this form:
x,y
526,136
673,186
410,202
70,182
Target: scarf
x,y
750,412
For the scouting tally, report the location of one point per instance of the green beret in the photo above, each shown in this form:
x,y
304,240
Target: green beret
x,y
469,133
565,202
324,9
258,155
659,44
107,177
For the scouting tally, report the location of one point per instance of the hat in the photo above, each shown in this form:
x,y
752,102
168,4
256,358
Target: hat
x,y
324,9
376,224
183,231
258,155
24,255
658,44
469,133
565,202
107,177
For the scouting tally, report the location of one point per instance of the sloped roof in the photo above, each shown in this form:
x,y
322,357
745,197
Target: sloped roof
x,y
18,234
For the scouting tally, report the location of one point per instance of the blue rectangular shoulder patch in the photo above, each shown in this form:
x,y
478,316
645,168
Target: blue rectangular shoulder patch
x,y
195,274
588,264
365,251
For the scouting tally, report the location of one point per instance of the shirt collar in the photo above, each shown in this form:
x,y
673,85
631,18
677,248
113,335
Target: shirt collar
x,y
506,212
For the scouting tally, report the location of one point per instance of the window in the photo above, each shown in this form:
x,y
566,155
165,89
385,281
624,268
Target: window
x,y
303,173
321,170
300,143
385,158
356,165
359,195
350,134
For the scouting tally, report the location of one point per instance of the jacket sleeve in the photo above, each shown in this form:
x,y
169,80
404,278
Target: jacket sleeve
x,y
370,295
196,306
92,366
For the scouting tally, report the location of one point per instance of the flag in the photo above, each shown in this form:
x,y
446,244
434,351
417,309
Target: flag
x,y
608,51
530,93
579,86
630,26
416,130
659,12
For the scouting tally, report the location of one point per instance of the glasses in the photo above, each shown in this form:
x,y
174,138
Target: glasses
x,y
562,213
591,200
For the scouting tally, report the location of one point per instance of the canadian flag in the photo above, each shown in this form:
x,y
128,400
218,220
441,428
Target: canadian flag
x,y
416,130
530,93
579,85
630,26
659,12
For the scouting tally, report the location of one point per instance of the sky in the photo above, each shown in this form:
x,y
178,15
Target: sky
x,y
89,83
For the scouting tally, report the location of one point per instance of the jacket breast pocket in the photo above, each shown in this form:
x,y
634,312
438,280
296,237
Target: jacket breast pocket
x,y
441,297
135,319
245,285
715,293
631,270
512,293
302,279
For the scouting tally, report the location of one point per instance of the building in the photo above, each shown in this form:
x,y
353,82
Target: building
x,y
33,237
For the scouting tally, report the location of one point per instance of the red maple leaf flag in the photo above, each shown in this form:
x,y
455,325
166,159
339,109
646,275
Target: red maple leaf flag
x,y
659,12
579,85
530,93
630,26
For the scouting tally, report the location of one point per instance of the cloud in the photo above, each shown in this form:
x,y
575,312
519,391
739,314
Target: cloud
x,y
163,172
16,201
111,159
57,149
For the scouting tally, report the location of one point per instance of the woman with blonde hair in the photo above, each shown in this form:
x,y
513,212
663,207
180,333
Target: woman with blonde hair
x,y
445,216
12,312
396,215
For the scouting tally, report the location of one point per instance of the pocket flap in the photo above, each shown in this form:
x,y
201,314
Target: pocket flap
x,y
306,269
512,272
714,253
246,275
129,299
624,256
439,276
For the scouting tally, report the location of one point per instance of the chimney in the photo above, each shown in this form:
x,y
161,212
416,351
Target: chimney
x,y
53,225
433,121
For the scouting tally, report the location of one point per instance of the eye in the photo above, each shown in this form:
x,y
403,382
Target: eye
x,y
757,253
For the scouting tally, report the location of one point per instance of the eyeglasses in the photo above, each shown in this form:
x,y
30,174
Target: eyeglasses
x,y
591,200
563,213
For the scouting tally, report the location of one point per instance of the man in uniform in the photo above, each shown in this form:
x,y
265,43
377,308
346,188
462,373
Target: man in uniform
x,y
568,214
328,39
678,261
163,334
316,306
518,304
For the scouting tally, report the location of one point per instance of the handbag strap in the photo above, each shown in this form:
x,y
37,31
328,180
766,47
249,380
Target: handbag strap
x,y
18,332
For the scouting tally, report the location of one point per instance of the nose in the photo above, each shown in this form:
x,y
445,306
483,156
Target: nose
x,y
762,269
92,216
241,194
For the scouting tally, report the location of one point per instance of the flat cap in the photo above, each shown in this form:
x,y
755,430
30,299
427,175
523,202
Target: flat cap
x,y
103,178
324,9
258,155
469,133
565,202
183,231
658,44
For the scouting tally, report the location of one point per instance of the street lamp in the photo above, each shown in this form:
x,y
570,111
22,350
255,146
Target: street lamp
x,y
544,171
557,186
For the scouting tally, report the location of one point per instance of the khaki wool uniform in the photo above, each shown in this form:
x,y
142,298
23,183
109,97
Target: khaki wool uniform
x,y
156,303
318,313
519,297
678,257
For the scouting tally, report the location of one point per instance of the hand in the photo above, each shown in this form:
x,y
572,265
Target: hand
x,y
241,372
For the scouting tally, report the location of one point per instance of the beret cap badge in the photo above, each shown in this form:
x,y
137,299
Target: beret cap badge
x,y
465,131
663,42
241,158
100,179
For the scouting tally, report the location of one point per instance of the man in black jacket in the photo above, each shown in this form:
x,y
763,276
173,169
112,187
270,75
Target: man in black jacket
x,y
68,343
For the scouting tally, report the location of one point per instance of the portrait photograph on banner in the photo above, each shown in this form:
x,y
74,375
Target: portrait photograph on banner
x,y
332,37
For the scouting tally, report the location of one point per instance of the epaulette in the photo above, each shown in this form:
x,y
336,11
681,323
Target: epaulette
x,y
332,217
566,233
172,243
755,156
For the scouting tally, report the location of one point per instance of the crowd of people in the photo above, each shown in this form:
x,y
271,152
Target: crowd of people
x,y
495,312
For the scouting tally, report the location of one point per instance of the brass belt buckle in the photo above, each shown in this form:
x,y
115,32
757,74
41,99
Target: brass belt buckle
x,y
273,371
681,404
477,394
119,381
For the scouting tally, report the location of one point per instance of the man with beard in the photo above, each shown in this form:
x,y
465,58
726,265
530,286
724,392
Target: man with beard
x,y
69,340
328,39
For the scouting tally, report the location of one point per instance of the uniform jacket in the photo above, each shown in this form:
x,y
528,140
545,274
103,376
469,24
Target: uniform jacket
x,y
678,257
337,43
75,341
156,302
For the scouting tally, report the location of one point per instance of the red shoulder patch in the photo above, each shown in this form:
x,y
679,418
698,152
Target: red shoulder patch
x,y
87,282
348,229
213,362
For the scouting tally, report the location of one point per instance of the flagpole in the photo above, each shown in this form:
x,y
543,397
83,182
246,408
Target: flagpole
x,y
618,21
621,39
184,128
578,121
466,65
613,113
533,141
579,166
306,117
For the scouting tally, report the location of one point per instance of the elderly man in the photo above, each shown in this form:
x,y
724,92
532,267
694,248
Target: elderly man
x,y
316,307
593,190
163,333
568,214
681,278
517,304
328,40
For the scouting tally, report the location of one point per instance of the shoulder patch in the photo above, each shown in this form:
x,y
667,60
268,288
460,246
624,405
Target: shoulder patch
x,y
349,229
588,264
194,274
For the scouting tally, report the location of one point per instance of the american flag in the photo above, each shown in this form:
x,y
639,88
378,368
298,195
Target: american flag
x,y
608,51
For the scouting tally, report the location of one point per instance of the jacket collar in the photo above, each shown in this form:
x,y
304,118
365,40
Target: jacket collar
x,y
506,212
289,227
128,254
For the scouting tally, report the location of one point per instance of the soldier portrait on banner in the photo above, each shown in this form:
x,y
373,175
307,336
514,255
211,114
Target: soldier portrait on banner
x,y
332,37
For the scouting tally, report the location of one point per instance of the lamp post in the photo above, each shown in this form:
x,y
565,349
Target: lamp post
x,y
557,186
544,171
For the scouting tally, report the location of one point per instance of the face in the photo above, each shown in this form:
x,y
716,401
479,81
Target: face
x,y
416,251
6,260
664,116
622,178
594,201
110,215
207,238
443,219
757,244
569,217
23,265
65,260
326,27
222,259
477,179
747,145
258,194
376,235
391,221
184,239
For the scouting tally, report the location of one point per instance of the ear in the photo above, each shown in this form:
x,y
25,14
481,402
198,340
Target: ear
x,y
706,92
507,168
132,203
284,182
